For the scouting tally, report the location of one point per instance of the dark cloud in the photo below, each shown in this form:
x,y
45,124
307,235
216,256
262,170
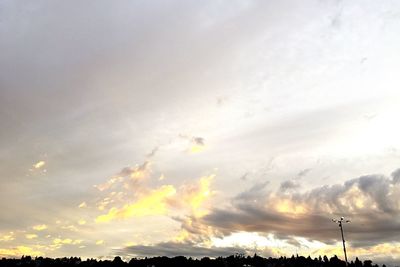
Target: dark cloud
x,y
179,249
369,201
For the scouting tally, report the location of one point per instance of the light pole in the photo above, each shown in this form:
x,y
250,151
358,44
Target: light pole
x,y
340,222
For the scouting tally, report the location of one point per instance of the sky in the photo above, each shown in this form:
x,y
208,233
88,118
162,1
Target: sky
x,y
199,128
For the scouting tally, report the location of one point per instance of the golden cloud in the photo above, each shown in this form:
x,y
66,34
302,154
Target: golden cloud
x,y
39,227
67,241
100,242
153,203
19,251
31,236
39,164
288,206
197,145
7,237
195,195
389,249
107,185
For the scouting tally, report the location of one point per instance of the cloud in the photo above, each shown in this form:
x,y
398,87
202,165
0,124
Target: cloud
x,y
66,241
39,164
244,176
370,202
143,200
153,203
195,195
20,250
39,227
100,242
139,171
7,237
70,227
31,236
255,192
303,172
153,152
197,145
128,177
288,185
105,74
171,249
82,205
384,253
396,176
107,185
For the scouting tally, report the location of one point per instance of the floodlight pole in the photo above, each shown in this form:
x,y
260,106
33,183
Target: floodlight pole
x,y
344,245
340,222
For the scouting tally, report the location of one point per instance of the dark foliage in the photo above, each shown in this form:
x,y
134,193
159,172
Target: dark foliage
x,y
180,261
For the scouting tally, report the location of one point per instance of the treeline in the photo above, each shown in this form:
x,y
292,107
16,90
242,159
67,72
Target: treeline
x,y
180,261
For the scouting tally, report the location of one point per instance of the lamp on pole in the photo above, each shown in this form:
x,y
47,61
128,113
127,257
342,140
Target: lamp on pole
x,y
340,223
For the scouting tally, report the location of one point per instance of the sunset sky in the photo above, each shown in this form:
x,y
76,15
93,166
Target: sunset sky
x,y
199,128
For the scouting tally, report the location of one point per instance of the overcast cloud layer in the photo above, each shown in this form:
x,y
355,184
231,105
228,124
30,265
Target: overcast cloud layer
x,y
186,127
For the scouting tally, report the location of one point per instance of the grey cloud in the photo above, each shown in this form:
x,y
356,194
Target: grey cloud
x,y
244,176
376,221
303,172
255,192
396,176
179,249
153,152
288,185
129,170
96,91
199,141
